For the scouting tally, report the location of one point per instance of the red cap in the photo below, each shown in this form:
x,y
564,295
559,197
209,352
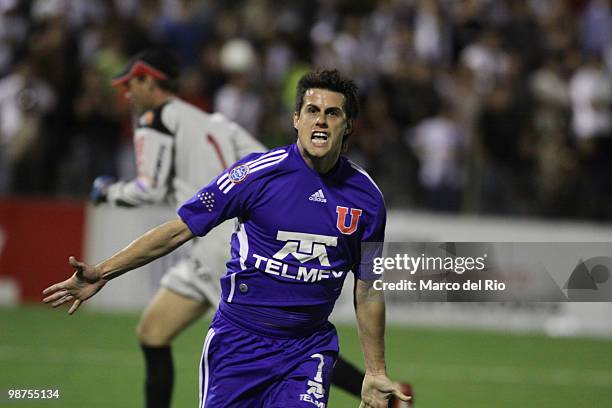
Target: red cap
x,y
159,64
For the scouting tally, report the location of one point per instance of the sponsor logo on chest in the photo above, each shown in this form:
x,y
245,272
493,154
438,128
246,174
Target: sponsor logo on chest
x,y
302,247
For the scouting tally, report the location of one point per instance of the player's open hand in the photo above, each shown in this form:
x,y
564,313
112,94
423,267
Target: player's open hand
x,y
83,284
376,391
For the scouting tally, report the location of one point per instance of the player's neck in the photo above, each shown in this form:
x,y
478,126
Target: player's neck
x,y
160,98
321,165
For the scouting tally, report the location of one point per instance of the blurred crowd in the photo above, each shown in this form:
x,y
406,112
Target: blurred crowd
x,y
474,106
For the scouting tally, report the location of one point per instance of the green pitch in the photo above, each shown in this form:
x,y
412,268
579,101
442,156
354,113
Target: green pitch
x,y
94,361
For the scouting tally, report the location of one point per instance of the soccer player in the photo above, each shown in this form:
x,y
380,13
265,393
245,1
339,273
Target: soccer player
x,y
303,213
180,148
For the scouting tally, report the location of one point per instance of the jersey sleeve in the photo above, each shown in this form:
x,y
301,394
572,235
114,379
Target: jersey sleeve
x,y
229,195
372,245
153,144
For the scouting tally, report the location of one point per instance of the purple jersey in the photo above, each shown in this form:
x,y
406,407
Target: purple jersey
x,y
300,232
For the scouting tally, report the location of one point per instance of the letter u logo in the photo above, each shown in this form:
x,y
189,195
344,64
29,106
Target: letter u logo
x,y
341,223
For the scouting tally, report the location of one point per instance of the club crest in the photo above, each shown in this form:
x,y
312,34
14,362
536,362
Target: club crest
x,y
238,173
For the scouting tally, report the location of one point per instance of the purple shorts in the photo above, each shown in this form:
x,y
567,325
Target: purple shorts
x,y
242,369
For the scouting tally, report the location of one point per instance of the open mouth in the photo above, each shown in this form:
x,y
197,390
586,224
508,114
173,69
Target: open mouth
x,y
318,138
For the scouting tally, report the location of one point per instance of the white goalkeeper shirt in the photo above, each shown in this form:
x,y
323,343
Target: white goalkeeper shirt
x,y
179,149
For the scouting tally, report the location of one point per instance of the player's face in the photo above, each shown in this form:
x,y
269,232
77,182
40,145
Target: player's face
x,y
139,94
321,125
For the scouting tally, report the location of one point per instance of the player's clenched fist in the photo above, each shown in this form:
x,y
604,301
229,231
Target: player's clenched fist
x,y
83,284
376,391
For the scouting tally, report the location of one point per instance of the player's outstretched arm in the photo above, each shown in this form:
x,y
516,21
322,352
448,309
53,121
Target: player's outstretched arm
x,y
377,388
87,279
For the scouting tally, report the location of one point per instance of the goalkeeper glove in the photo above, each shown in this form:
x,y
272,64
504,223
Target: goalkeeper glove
x,y
99,189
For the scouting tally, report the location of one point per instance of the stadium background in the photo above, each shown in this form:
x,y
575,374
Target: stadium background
x,y
481,120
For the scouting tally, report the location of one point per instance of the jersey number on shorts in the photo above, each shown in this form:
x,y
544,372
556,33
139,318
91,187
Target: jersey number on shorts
x,y
315,388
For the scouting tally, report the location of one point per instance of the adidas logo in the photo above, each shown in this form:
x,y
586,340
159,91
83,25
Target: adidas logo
x,y
318,196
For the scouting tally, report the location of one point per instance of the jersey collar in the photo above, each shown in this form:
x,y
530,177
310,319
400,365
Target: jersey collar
x,y
334,173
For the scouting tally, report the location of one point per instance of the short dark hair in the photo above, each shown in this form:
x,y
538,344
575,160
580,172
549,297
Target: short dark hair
x,y
168,85
332,81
